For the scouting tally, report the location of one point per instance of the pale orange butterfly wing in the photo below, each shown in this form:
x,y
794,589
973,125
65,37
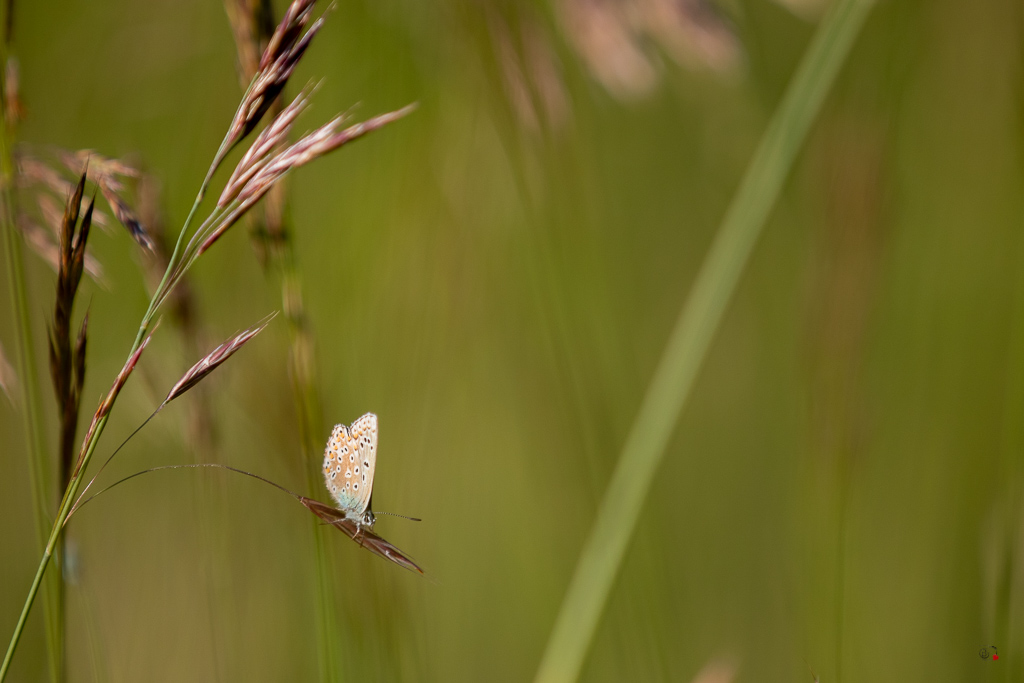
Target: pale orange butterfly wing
x,y
349,463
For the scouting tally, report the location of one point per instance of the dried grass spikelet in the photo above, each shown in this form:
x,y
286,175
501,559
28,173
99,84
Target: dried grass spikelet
x,y
257,173
363,536
192,377
73,237
49,184
270,138
126,217
111,171
42,242
276,65
252,22
108,174
213,360
108,402
265,165
122,377
67,366
32,170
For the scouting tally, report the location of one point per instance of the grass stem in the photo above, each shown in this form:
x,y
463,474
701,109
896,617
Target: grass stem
x,y
690,339
281,254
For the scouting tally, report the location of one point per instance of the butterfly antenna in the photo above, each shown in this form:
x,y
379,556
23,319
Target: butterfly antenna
x,y
395,514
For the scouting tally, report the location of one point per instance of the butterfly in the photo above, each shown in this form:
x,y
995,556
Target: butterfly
x,y
350,461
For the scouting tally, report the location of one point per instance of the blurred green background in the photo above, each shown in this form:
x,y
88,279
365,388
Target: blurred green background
x,y
495,276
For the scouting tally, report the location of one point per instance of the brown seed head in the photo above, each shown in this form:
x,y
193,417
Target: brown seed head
x,y
79,360
122,377
276,66
33,170
212,360
57,376
271,137
108,402
126,216
287,32
252,22
103,169
78,248
70,219
363,536
321,141
268,171
70,263
108,174
42,242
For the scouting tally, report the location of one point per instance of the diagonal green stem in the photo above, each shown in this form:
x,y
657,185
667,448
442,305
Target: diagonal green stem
x,y
166,283
51,542
67,503
690,339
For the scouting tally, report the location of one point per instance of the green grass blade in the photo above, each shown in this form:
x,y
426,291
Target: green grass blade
x,y
688,344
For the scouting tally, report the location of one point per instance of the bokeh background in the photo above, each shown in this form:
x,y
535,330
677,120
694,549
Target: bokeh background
x,y
495,276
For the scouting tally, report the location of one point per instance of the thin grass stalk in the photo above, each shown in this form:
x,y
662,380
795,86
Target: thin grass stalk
x,y
690,339
31,410
165,284
301,366
276,252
